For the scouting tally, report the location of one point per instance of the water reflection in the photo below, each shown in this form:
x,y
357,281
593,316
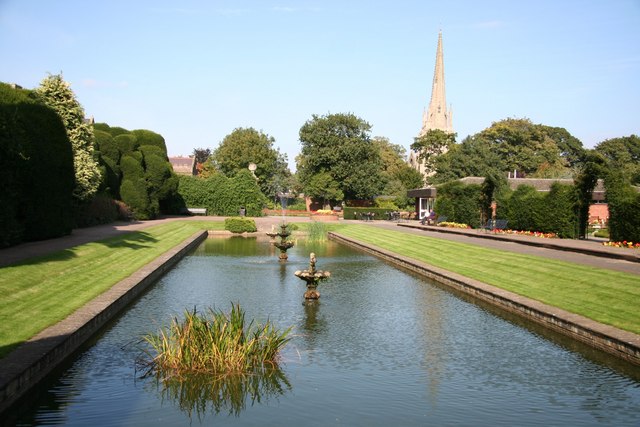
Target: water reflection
x,y
200,394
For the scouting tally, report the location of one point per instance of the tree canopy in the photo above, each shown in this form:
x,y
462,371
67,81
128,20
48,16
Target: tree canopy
x,y
247,145
431,145
623,154
398,174
57,94
533,150
340,145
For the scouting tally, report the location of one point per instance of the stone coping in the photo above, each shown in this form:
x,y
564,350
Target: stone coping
x,y
620,343
29,363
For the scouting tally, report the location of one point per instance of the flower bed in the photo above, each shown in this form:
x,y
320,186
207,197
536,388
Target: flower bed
x,y
623,244
324,215
528,233
453,225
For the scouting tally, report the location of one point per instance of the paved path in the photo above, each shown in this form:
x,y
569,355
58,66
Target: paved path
x,y
578,251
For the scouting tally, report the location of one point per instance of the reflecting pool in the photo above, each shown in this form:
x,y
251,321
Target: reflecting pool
x,y
381,347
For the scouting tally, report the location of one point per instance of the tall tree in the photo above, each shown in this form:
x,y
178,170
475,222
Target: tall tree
x,y
532,150
340,145
623,154
399,176
57,94
247,145
431,145
201,154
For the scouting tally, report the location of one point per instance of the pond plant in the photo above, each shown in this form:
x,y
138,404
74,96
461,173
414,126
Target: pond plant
x,y
215,343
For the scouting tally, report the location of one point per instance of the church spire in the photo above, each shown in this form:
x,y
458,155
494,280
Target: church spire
x,y
438,116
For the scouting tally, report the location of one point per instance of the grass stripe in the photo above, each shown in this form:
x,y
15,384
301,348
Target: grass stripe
x,y
39,292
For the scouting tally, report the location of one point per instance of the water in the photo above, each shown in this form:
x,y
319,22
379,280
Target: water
x,y
382,347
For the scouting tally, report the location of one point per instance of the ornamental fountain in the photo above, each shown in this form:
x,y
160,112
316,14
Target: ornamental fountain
x,y
313,277
283,244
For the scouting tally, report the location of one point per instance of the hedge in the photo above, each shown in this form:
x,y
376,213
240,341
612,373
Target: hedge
x,y
220,195
131,159
355,213
36,170
240,225
459,202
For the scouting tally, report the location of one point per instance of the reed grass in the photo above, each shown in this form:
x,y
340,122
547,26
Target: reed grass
x,y
213,342
317,231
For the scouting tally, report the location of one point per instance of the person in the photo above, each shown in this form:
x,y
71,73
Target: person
x,y
429,218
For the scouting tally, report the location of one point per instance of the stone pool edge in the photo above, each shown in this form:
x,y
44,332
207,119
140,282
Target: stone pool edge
x,y
615,341
29,363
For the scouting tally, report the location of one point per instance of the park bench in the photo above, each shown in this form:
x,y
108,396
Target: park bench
x,y
495,224
197,211
441,218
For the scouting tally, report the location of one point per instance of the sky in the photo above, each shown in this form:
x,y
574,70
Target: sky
x,y
193,71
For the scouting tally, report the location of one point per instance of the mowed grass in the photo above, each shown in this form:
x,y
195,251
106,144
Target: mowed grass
x,y
39,292
607,296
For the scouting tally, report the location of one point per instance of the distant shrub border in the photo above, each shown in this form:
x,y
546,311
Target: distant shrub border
x,y
240,225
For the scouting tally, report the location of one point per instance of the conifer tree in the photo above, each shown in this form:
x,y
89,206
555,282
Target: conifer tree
x,y
57,94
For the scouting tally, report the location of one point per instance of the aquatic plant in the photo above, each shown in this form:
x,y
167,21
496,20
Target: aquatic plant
x,y
317,232
213,342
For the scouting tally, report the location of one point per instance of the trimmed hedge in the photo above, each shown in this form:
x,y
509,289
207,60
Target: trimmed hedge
x,y
137,170
459,202
220,195
240,225
624,205
36,170
355,213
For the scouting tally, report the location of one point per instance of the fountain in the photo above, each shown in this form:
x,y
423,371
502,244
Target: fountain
x,y
313,277
283,244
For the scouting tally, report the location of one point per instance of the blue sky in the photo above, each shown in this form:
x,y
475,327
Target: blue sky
x,y
195,70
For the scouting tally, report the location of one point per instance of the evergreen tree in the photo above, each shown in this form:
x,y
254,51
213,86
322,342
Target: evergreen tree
x,y
57,94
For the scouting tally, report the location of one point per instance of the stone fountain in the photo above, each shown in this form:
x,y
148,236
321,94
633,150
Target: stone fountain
x,y
313,277
283,244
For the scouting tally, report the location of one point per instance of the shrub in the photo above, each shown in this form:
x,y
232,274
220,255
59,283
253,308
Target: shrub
x,y
102,209
240,225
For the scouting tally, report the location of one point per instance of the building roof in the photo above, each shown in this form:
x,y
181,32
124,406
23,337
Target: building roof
x,y
183,165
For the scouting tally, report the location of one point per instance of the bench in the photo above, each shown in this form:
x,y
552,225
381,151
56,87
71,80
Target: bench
x,y
197,211
495,224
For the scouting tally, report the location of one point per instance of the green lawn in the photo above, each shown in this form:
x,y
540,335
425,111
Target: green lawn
x,y
41,291
606,296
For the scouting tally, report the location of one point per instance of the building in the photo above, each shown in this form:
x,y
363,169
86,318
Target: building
x,y
437,116
183,165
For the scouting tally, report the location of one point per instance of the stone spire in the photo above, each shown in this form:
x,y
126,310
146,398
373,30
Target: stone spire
x,y
437,116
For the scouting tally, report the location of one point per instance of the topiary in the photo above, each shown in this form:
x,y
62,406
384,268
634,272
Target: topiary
x,y
240,225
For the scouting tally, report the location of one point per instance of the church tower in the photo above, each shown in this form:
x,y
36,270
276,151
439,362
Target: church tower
x,y
437,116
